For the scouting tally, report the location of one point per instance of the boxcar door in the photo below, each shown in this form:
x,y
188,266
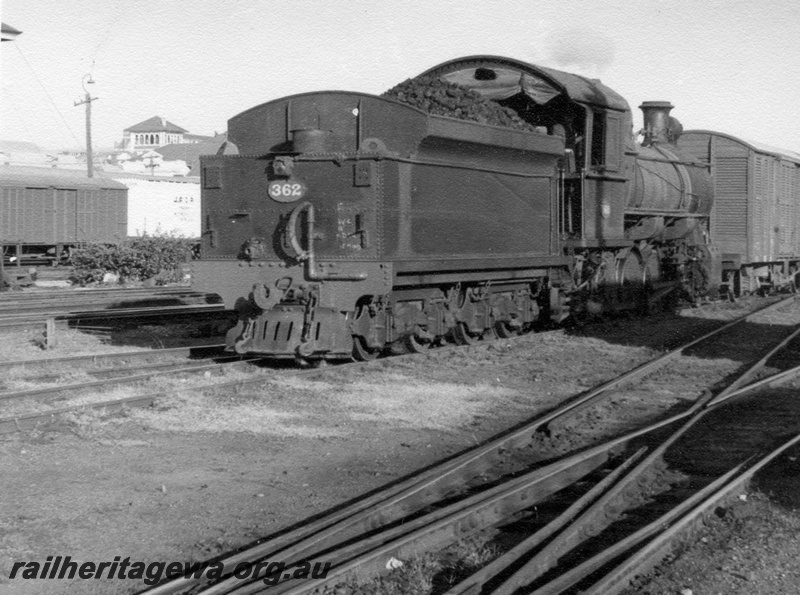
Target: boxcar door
x,y
86,225
66,215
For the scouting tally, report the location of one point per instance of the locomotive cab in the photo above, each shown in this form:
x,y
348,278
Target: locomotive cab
x,y
635,217
594,121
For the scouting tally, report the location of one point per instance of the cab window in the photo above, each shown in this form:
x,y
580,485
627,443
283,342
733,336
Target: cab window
x,y
606,141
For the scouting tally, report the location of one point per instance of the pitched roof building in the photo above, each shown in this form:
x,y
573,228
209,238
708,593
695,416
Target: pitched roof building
x,y
156,132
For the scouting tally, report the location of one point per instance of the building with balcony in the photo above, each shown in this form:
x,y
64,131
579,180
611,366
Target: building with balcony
x,y
156,132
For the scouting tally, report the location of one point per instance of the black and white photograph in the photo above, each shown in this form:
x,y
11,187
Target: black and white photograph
x,y
455,297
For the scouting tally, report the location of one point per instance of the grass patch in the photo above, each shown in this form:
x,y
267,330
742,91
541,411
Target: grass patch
x,y
391,397
27,345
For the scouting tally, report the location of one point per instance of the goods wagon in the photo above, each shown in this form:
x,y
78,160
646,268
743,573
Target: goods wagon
x,y
755,221
43,212
162,205
350,223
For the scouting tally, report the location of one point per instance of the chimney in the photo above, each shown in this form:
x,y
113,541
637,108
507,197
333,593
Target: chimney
x,y
656,121
164,122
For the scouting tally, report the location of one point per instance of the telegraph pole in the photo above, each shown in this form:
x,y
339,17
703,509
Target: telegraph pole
x,y
88,102
8,34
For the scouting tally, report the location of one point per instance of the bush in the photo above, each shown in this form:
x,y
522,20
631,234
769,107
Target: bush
x,y
135,259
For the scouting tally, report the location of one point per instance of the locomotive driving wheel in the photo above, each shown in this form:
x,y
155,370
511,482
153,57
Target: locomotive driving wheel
x,y
651,274
631,281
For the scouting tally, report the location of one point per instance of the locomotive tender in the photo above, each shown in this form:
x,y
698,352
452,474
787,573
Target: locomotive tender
x,y
348,223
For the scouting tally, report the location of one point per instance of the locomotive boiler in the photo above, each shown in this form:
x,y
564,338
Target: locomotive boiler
x,y
347,224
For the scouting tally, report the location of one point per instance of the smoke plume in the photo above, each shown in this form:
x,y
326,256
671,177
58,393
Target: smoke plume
x,y
581,48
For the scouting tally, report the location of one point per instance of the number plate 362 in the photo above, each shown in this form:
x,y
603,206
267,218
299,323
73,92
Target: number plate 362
x,y
286,190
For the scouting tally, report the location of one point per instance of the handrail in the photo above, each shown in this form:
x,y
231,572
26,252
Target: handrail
x,y
308,256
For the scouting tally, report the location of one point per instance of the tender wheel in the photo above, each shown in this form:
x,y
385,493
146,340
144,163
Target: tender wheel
x,y
414,345
505,330
362,353
462,336
489,335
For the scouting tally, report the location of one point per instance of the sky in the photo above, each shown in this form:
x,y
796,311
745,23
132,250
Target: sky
x,y
726,65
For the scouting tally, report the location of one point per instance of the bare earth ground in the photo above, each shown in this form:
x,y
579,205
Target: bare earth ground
x,y
206,472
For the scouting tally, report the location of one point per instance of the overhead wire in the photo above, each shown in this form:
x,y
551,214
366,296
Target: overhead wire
x,y
47,93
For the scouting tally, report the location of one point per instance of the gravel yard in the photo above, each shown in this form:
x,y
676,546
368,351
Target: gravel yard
x,y
203,473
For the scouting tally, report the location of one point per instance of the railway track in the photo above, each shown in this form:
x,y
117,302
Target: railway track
x,y
600,545
465,493
137,368
81,307
68,300
16,421
52,397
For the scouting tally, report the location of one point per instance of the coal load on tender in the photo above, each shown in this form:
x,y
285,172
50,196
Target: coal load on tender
x,y
441,98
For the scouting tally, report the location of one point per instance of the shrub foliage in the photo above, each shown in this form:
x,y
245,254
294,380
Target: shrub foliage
x,y
135,259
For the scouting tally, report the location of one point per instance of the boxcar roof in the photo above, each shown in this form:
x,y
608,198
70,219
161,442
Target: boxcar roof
x,y
752,145
43,177
124,175
497,77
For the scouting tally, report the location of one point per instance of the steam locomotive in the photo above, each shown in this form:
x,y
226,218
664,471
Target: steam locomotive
x,y
343,224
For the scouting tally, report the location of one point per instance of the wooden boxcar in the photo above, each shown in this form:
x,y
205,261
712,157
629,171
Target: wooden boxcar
x,y
755,221
45,211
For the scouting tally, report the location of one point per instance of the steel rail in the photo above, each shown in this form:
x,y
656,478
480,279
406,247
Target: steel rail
x,y
371,555
598,516
33,303
420,490
220,359
113,296
594,519
431,533
112,312
21,421
677,520
441,527
28,321
570,578
54,390
652,553
475,581
547,557
94,357
61,293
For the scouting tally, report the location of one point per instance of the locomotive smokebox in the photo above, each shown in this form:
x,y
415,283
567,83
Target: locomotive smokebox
x,y
657,122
